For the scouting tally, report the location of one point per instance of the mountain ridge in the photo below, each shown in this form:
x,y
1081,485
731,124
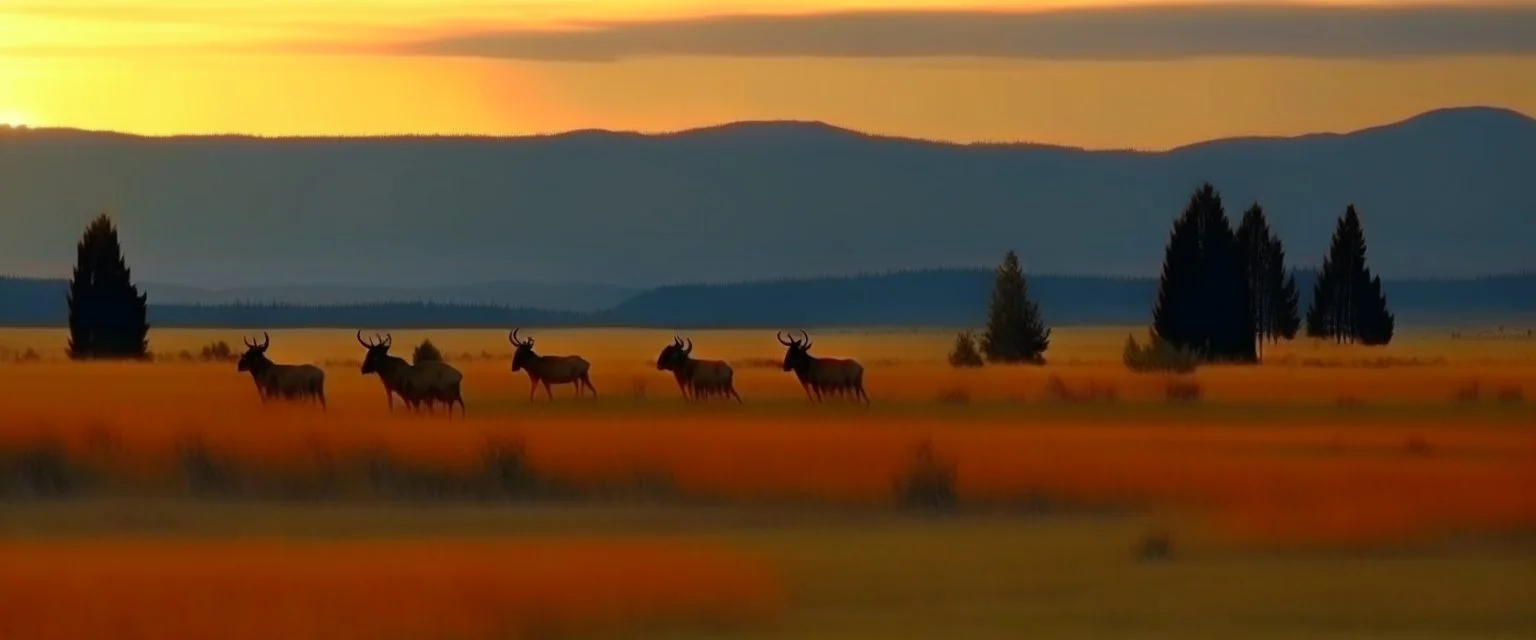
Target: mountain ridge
x,y
734,204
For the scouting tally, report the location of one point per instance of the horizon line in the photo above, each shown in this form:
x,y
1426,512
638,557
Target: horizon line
x,y
706,128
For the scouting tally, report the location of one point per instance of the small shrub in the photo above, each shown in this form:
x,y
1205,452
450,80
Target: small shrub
x,y
965,355
1468,394
1183,391
1158,356
217,352
203,473
30,355
426,352
928,483
507,465
1155,545
41,471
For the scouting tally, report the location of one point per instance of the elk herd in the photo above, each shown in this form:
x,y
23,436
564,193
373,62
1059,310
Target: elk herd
x,y
429,383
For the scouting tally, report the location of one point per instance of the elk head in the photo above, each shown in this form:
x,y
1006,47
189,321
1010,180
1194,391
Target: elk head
x,y
674,354
798,355
378,350
524,353
254,353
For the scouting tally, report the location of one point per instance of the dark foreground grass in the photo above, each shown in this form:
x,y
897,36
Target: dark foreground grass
x,y
873,575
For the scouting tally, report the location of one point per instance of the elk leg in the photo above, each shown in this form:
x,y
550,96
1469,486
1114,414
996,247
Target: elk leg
x,y
547,392
587,380
533,387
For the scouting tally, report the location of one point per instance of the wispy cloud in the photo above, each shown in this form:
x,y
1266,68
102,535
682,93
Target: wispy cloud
x,y
1126,33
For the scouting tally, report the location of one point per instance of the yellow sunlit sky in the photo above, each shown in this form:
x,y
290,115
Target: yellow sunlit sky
x,y
1096,73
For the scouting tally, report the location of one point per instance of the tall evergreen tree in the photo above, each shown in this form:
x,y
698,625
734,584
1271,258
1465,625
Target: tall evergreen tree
x,y
108,317
1254,241
1320,312
1348,304
1015,332
1376,322
1203,302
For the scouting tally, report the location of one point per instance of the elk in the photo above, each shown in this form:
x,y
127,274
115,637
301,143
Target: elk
x,y
428,382
833,376
705,378
548,370
285,381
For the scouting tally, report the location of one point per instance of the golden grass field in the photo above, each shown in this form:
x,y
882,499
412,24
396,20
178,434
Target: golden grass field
x,y
1281,487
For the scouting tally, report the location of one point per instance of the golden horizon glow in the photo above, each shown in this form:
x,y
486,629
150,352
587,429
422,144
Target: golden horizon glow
x,y
323,67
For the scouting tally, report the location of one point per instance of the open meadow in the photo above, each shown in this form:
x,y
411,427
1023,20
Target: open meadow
x,y
1332,491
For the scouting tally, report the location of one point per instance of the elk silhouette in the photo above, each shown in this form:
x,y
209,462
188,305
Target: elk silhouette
x,y
283,381
701,378
829,376
426,383
548,370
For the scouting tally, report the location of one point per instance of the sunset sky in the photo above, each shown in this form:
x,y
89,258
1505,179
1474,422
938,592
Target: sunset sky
x,y
1094,73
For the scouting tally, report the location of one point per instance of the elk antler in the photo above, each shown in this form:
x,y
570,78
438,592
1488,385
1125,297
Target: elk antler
x,y
360,340
266,341
689,349
805,342
512,337
389,339
780,336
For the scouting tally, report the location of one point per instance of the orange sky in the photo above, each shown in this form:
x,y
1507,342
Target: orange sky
x,y
335,67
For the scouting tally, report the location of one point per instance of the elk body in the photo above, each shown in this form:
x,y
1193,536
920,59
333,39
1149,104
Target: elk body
x,y
829,376
281,381
428,382
701,378
549,370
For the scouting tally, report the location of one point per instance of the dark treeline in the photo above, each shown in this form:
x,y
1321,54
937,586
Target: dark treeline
x,y
937,298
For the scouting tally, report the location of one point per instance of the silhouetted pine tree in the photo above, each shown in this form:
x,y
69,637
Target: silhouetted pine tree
x,y
1348,304
1015,332
108,317
1203,301
1376,323
1254,239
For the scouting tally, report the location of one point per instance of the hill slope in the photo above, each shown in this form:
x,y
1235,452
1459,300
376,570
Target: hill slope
x,y
1443,194
934,298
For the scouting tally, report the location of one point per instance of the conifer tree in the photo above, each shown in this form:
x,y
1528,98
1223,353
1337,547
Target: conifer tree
x,y
108,317
1015,332
1254,241
1348,304
1203,302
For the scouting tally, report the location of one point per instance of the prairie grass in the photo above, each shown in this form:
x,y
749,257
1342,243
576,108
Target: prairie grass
x,y
465,589
1286,454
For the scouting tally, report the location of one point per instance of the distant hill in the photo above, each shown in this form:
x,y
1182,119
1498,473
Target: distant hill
x,y
1444,194
558,297
933,298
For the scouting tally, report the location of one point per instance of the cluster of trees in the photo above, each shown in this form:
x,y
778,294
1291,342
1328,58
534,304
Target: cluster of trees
x,y
1223,294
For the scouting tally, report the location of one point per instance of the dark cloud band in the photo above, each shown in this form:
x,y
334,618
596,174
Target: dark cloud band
x,y
1146,33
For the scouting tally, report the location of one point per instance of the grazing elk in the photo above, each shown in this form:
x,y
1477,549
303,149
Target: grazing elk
x,y
831,376
548,370
704,378
428,382
285,381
